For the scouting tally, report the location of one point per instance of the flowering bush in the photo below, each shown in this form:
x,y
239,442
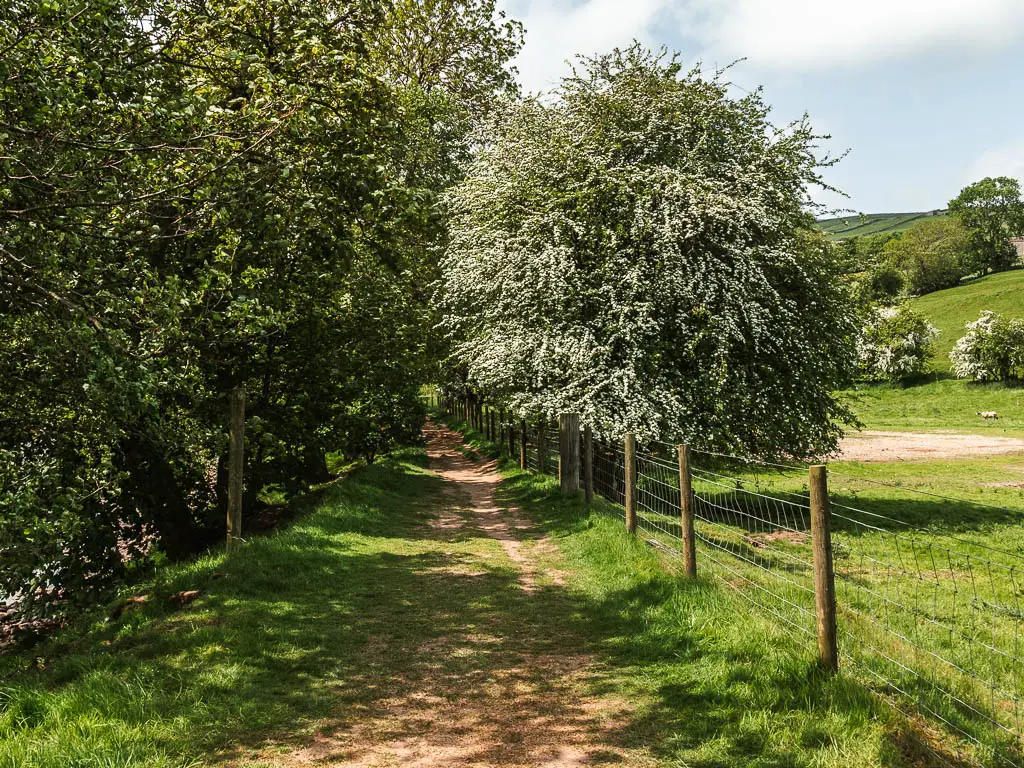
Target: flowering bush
x,y
895,344
634,248
992,349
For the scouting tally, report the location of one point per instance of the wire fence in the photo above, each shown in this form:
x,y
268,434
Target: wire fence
x,y
931,621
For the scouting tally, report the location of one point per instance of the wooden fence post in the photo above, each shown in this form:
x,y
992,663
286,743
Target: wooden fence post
x,y
686,512
492,425
588,463
522,443
569,452
824,575
236,466
630,461
542,447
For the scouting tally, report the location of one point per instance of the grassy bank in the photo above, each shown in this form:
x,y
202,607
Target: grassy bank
x,y
257,659
950,309
938,401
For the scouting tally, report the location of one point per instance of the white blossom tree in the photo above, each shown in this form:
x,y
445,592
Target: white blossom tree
x,y
896,343
991,350
636,247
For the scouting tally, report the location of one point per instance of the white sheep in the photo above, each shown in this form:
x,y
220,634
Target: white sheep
x,y
988,414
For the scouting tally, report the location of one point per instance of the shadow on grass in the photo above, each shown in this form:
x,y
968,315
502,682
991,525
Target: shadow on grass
x,y
319,629
725,688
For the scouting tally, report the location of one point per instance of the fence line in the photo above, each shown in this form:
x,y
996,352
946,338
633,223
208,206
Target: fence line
x,y
931,621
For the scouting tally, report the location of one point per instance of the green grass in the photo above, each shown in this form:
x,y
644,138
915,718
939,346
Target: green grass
x,y
872,223
258,658
314,628
951,309
941,404
927,586
718,683
937,401
713,685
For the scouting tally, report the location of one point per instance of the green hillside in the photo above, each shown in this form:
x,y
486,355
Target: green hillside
x,y
951,309
941,402
873,223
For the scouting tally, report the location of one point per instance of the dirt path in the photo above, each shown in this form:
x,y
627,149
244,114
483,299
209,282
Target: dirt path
x,y
909,446
507,690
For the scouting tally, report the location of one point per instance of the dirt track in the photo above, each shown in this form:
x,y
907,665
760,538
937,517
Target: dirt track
x,y
533,710
910,446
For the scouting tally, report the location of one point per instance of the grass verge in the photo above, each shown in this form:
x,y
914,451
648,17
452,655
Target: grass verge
x,y
714,683
256,659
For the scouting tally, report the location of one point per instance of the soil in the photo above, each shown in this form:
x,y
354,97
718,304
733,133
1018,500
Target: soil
x,y
538,712
910,446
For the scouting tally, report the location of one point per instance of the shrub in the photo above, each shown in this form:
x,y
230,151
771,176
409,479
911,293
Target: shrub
x,y
992,349
930,255
896,343
886,282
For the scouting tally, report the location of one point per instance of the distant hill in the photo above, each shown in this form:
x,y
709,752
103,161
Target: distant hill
x,y
951,309
873,223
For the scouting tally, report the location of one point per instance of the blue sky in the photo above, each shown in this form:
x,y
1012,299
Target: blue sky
x,y
927,95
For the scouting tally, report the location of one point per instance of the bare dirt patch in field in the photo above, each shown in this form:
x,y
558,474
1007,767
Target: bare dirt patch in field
x,y
910,446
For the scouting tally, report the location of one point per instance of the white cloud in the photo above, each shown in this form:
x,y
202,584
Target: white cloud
x,y
1007,160
809,34
557,30
797,35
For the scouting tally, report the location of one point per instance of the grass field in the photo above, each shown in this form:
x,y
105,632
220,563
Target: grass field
x,y
871,223
938,401
951,309
310,628
941,403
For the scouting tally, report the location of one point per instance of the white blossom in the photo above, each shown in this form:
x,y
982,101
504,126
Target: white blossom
x,y
635,250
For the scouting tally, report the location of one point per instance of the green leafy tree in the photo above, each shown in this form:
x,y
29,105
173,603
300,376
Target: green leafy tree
x,y
636,249
931,255
993,212
197,195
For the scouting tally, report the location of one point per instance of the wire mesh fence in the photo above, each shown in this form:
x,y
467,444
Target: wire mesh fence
x,y
929,620
933,620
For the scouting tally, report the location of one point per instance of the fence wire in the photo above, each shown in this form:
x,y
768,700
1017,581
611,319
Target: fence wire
x,y
935,621
758,544
931,621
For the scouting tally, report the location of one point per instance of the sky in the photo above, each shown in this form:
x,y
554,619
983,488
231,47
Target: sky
x,y
926,96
